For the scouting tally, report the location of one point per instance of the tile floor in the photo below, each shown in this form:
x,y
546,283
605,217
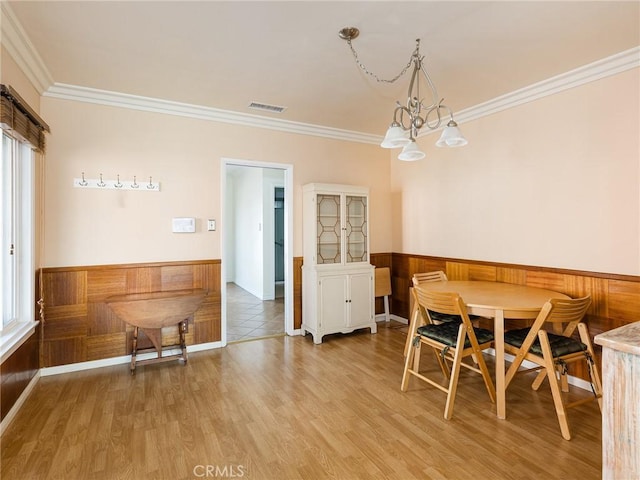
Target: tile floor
x,y
248,317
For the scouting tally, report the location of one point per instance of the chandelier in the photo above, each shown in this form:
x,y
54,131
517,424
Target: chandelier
x,y
409,119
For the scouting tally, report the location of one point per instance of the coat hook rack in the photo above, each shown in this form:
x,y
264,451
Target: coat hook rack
x,y
115,184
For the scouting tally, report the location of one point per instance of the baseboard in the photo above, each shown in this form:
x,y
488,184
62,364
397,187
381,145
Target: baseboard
x,y
381,317
575,381
399,319
108,362
16,406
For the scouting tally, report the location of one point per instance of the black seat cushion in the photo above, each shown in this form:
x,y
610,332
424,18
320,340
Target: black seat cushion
x,y
447,317
560,345
444,317
447,333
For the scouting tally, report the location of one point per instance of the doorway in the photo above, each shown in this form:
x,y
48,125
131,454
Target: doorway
x,y
257,260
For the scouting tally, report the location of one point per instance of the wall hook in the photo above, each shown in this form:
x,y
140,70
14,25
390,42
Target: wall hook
x,y
101,183
118,184
150,186
83,183
134,184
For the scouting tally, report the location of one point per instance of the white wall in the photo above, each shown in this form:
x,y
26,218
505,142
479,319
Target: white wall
x,y
249,228
555,182
84,227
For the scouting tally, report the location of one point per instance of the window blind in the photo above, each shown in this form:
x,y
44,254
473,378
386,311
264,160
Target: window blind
x,y
17,116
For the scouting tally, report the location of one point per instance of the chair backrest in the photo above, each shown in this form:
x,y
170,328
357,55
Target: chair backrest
x,y
450,303
426,277
382,282
563,315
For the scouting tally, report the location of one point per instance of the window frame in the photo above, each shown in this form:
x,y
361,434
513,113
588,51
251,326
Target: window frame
x,y
18,282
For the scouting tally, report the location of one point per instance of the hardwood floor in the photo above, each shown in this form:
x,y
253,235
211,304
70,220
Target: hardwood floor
x,y
284,408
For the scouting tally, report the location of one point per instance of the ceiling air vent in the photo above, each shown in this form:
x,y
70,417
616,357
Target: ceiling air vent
x,y
267,108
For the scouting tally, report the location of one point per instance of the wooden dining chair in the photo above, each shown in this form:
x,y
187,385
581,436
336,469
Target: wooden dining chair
x,y
549,344
452,341
437,276
419,279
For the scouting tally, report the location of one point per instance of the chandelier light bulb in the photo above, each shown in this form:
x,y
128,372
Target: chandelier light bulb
x,y
411,153
396,137
451,136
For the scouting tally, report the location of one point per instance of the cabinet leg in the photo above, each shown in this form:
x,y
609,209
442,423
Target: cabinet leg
x,y
317,339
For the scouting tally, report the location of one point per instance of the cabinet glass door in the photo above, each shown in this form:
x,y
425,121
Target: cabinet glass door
x,y
356,228
328,218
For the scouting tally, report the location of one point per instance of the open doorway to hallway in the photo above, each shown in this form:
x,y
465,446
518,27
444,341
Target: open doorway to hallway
x,y
257,260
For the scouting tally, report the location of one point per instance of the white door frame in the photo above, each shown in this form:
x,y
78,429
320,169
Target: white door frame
x,y
288,239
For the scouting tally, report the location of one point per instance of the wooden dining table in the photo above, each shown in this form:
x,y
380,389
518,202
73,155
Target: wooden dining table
x,y
499,301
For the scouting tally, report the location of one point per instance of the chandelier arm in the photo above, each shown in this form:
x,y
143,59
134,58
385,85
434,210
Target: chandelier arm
x,y
373,75
400,121
434,91
410,96
427,123
438,109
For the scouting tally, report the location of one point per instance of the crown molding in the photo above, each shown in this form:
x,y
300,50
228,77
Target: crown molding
x,y
588,73
16,41
591,72
156,105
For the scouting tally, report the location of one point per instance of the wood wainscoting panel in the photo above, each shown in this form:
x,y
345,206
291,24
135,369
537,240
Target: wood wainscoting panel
x,y
207,326
143,279
65,288
547,280
421,265
402,269
578,286
624,300
615,297
66,322
516,276
103,283
107,346
102,320
64,351
79,326
17,371
176,277
459,271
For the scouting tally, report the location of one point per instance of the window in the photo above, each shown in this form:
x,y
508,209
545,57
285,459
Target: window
x,y
17,282
23,133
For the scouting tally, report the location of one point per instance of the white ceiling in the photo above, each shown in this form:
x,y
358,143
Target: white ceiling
x,y
228,54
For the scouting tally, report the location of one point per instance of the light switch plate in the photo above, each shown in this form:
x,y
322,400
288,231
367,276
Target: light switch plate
x,y
183,225
211,225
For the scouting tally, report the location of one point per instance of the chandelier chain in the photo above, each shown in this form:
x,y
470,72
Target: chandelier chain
x,y
373,75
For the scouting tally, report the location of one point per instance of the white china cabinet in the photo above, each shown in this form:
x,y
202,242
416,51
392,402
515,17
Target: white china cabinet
x,y
337,279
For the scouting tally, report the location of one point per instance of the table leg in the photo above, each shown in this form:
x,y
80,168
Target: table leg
x,y
182,327
412,329
498,333
134,350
